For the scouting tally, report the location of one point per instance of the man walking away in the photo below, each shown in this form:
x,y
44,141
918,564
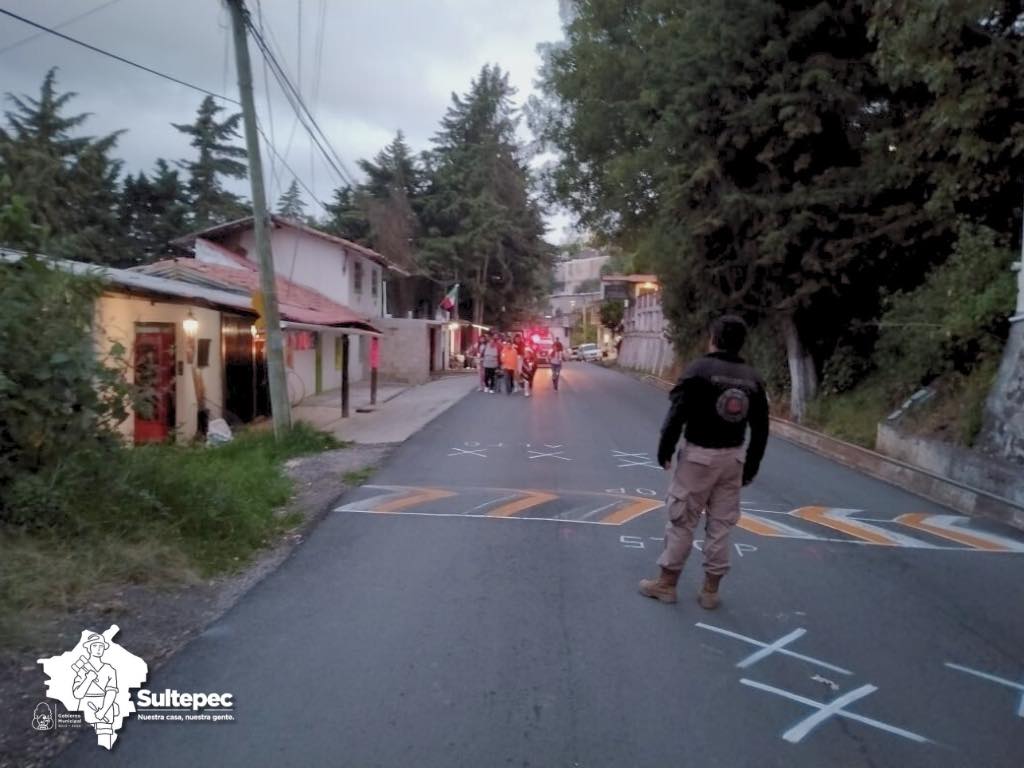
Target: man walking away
x,y
490,363
509,363
716,399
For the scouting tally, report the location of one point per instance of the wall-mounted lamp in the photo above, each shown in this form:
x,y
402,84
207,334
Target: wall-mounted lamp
x,y
191,325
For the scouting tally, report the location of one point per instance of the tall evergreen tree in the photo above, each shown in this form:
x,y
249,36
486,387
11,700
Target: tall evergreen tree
x,y
218,156
483,228
346,217
291,204
66,182
153,211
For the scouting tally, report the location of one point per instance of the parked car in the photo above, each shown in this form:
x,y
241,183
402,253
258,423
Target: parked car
x,y
589,352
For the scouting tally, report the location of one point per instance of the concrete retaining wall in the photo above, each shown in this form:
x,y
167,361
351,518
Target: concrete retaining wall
x,y
944,490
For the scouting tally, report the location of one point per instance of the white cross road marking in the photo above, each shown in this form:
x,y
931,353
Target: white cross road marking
x,y
481,452
833,709
768,650
994,679
534,454
551,446
633,459
776,647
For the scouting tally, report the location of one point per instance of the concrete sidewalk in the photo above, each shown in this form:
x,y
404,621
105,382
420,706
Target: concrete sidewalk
x,y
401,410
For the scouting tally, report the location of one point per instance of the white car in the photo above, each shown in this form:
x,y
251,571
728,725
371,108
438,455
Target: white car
x,y
589,352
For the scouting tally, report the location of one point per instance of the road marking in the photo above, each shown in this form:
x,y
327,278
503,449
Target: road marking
x,y
780,649
593,512
481,452
535,454
489,502
632,510
412,498
833,708
528,500
768,650
947,527
763,527
994,679
839,519
634,459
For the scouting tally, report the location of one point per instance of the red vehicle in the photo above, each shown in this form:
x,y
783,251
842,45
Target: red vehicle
x,y
541,342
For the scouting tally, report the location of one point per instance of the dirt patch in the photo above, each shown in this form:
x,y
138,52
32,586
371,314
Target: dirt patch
x,y
182,610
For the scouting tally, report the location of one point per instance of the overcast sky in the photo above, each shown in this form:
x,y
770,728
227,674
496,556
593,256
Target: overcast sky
x,y
383,65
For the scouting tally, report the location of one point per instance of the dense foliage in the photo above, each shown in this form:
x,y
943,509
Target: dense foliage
x,y
78,205
824,168
463,212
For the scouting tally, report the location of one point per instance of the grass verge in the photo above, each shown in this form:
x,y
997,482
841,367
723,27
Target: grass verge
x,y
154,514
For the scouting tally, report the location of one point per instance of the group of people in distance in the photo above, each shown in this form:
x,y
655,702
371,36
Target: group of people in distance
x,y
515,360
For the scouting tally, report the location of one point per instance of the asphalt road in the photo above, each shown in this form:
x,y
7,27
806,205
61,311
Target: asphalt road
x,y
476,605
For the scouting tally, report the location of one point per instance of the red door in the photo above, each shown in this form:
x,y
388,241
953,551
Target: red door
x,y
154,376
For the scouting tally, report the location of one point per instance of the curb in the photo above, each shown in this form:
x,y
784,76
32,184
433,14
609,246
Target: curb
x,y
965,499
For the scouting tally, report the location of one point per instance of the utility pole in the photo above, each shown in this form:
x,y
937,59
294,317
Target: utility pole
x,y
279,405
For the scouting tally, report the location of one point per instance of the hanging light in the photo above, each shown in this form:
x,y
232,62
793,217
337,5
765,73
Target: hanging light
x,y
191,325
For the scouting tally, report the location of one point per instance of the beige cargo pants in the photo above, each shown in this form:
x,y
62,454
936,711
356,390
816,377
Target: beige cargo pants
x,y
705,479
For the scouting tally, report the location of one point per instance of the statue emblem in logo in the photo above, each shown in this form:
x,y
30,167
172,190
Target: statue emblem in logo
x,y
96,678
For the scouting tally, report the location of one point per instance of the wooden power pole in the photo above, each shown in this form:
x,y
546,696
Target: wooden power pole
x,y
279,405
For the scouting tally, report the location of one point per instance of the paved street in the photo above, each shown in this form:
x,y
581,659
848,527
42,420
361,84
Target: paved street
x,y
475,605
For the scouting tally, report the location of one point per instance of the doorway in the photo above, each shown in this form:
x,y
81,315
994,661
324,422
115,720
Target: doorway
x,y
154,377
246,390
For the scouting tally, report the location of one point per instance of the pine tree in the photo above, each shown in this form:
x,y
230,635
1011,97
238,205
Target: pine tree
x,y
291,204
67,183
346,218
153,211
218,157
482,227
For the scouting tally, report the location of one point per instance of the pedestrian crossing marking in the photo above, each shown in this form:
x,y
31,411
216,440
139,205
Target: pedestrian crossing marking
x,y
527,501
764,527
632,510
614,507
840,520
412,498
947,527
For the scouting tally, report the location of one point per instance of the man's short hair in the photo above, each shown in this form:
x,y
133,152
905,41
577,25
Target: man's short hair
x,y
728,333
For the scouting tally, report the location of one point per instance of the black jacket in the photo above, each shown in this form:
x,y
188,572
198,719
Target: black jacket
x,y
717,398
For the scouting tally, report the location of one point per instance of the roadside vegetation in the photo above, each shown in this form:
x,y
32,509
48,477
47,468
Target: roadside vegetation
x,y
838,173
79,510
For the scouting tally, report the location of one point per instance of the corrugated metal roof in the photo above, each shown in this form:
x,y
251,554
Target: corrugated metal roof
x,y
309,307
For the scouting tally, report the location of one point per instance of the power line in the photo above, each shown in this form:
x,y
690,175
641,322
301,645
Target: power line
x,y
173,79
72,20
299,105
114,56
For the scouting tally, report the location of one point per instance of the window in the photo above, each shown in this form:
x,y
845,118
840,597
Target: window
x,y
357,277
375,284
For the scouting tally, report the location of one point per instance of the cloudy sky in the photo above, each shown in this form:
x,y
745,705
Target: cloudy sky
x,y
366,68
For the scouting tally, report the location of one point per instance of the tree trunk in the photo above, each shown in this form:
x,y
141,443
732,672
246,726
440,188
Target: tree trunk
x,y
1003,425
1003,430
803,376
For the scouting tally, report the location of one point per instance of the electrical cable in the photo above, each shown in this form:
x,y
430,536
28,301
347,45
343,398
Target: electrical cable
x,y
114,56
72,20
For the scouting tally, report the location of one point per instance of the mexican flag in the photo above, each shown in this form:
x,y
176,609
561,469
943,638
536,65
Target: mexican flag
x,y
450,299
